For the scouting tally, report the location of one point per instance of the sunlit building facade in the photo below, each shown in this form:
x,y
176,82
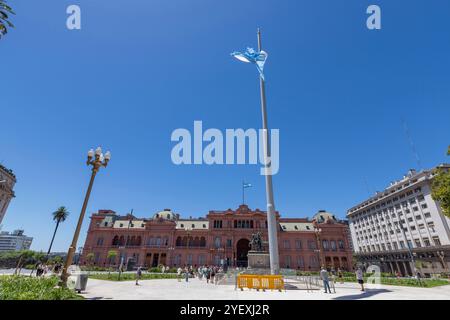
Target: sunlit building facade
x,y
221,237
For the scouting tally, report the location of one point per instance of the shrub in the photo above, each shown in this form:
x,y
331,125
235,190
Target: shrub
x,y
30,288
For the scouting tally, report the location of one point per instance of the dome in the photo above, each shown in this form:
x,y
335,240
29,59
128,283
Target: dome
x,y
324,216
166,214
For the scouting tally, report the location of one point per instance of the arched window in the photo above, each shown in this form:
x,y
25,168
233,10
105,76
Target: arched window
x,y
202,242
115,241
178,242
133,241
121,241
196,242
184,242
138,240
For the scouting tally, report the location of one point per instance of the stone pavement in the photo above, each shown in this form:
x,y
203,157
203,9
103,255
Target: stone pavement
x,y
196,289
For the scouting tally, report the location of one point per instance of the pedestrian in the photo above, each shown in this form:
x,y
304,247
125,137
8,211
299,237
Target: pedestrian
x,y
208,274
186,273
163,268
360,278
340,276
325,279
138,275
213,274
179,270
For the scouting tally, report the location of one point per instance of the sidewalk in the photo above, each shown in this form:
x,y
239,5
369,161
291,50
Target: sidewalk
x,y
198,290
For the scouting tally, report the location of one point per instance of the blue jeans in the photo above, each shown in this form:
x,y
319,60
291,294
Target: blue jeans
x,y
326,284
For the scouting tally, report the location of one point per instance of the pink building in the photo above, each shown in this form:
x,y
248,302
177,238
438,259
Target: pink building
x,y
222,237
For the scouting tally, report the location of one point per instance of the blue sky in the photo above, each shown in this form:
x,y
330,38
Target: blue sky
x,y
139,69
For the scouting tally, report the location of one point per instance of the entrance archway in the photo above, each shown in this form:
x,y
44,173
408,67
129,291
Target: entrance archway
x,y
242,248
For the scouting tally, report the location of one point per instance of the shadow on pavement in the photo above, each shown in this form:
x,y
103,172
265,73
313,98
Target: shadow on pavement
x,y
362,295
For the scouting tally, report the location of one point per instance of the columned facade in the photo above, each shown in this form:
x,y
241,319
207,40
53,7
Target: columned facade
x,y
222,237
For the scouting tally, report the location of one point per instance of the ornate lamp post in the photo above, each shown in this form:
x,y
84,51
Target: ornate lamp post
x,y
96,160
317,231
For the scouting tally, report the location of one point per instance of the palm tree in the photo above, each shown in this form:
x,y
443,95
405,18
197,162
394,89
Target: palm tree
x,y
5,10
59,215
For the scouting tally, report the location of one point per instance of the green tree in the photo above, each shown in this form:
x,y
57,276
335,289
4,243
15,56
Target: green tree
x,y
112,254
25,256
59,216
5,11
90,258
440,188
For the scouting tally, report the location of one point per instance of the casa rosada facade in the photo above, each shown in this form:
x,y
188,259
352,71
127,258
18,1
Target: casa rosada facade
x,y
222,237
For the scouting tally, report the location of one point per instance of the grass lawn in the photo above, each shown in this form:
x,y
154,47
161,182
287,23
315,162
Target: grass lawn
x,y
425,283
32,288
114,276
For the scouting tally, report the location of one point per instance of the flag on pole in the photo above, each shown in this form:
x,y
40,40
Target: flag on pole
x,y
246,185
252,56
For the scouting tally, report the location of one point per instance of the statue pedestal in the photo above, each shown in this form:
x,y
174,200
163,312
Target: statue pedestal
x,y
258,260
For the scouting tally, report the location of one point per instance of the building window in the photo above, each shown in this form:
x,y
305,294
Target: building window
x,y
300,263
427,242
436,241
341,244
287,261
229,243
333,245
217,224
325,244
286,244
217,242
298,244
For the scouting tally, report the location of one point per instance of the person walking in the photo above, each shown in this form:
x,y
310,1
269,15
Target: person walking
x,y
179,270
325,279
208,274
138,275
340,276
186,273
360,278
213,274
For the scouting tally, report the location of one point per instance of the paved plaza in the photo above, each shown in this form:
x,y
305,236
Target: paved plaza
x,y
196,289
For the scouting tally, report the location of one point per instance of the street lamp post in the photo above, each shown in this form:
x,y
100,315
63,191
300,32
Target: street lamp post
x,y
96,160
317,231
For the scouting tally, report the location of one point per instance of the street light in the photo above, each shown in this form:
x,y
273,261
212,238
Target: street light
x,y
96,160
317,231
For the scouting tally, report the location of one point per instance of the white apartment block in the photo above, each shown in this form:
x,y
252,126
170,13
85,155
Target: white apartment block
x,y
402,229
7,182
14,241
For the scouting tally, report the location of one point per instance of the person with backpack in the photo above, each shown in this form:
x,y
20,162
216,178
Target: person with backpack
x,y
138,275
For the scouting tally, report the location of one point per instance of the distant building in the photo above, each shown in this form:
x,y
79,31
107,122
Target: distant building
x,y
222,237
14,241
403,224
7,182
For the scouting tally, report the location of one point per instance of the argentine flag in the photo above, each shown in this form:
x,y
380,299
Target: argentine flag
x,y
252,56
246,185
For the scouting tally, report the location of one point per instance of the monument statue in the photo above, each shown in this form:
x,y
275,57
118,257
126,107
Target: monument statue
x,y
256,243
258,258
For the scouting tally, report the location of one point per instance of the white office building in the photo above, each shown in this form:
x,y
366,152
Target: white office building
x,y
402,229
14,241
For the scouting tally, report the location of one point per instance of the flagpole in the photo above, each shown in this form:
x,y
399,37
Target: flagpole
x,y
271,215
243,193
